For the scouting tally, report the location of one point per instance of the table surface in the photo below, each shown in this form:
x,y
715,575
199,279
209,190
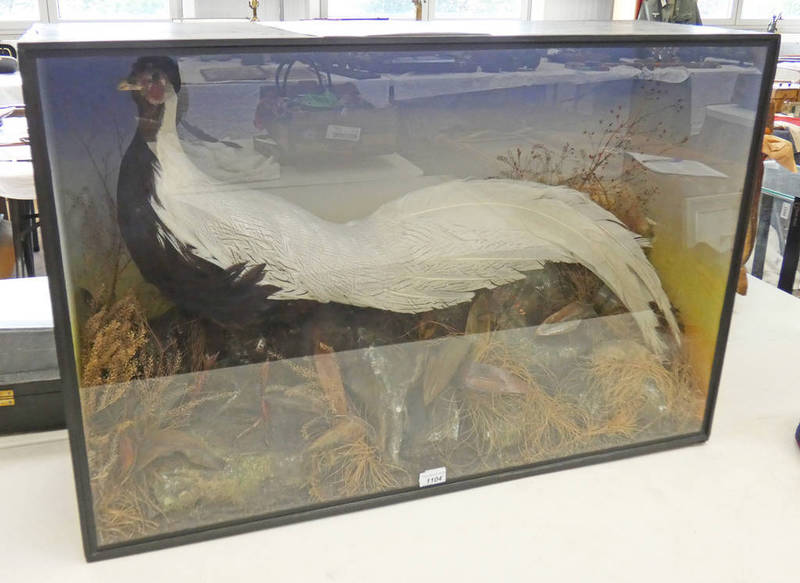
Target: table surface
x,y
10,89
16,169
16,180
25,303
725,511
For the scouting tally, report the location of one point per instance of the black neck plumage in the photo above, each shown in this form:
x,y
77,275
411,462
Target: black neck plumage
x,y
231,296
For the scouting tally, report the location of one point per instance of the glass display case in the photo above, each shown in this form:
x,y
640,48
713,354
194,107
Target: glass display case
x,y
777,243
309,268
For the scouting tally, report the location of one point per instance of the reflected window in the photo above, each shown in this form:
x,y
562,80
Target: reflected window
x,y
100,10
716,9
759,9
442,8
478,9
19,10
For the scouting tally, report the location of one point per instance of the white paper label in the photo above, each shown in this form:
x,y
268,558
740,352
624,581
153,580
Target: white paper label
x,y
785,210
347,133
433,477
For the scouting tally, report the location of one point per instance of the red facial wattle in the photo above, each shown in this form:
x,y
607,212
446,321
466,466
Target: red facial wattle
x,y
154,92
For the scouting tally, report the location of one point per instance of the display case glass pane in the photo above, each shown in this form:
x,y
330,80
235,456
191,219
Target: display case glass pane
x,y
772,256
298,278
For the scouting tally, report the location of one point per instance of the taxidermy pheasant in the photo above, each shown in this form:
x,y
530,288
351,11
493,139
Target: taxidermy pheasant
x,y
201,240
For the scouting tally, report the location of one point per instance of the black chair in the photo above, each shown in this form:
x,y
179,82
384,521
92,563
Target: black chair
x,y
8,59
8,50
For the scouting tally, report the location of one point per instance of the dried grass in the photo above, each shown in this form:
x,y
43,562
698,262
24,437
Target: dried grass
x,y
342,462
329,376
581,282
127,377
637,390
584,168
352,469
522,427
113,341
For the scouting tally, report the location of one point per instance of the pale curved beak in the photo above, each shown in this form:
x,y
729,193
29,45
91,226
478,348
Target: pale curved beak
x,y
126,85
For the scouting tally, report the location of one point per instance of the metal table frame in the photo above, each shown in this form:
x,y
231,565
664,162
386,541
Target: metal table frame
x,y
791,253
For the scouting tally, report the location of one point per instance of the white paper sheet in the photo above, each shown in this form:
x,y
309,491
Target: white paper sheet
x,y
667,165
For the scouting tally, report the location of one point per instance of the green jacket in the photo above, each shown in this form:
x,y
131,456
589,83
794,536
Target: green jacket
x,y
677,11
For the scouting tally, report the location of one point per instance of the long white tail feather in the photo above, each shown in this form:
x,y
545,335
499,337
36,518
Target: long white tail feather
x,y
430,249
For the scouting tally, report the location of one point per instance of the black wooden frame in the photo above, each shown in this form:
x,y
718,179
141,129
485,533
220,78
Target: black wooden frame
x,y
35,49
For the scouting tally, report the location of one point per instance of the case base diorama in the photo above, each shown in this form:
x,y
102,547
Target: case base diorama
x,y
302,269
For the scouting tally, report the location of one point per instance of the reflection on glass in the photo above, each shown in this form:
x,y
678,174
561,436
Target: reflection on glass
x,y
369,265
775,218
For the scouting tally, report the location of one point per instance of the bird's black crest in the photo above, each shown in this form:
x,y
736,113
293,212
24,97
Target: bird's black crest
x,y
166,64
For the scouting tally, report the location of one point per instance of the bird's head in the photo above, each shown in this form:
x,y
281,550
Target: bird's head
x,y
152,80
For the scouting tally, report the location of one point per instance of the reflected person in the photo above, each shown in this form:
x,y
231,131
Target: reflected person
x,y
675,11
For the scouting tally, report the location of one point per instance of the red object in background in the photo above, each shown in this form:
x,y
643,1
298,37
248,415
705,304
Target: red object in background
x,y
787,119
638,6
